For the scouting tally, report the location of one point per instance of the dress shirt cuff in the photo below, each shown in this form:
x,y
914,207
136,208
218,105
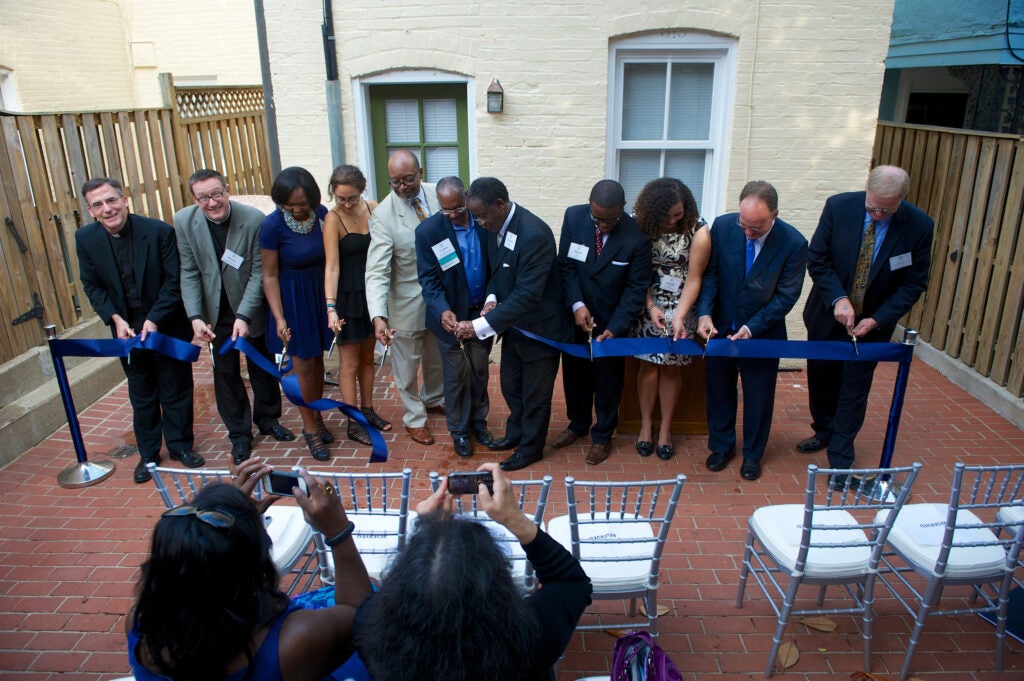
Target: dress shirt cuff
x,y
491,299
482,328
740,330
577,305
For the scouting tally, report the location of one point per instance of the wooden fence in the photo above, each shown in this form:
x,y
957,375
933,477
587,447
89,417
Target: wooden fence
x,y
45,158
972,184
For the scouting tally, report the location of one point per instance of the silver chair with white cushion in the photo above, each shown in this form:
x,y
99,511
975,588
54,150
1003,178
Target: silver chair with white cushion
x,y
378,505
835,537
532,499
973,540
291,537
618,530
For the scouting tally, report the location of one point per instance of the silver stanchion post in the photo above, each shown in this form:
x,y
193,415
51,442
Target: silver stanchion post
x,y
84,472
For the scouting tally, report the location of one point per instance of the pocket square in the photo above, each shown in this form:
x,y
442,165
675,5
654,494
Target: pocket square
x,y
619,263
505,264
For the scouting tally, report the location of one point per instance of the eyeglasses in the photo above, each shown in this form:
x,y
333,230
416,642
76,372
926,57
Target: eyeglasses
x,y
454,211
112,201
884,212
758,230
408,180
347,200
608,223
204,199
218,519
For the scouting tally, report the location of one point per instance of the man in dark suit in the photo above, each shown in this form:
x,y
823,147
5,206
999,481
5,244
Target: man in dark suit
x,y
868,260
752,281
222,288
525,291
128,266
453,267
605,261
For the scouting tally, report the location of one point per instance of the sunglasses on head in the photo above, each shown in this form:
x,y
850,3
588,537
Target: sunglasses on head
x,y
217,519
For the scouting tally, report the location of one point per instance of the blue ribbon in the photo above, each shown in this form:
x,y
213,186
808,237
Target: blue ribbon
x,y
719,347
120,347
290,386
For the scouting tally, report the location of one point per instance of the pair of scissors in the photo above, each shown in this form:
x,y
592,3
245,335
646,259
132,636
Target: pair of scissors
x,y
334,343
590,341
281,357
855,350
213,355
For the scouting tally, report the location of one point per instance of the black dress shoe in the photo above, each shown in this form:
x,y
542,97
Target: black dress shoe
x,y
811,445
463,447
189,459
240,451
503,444
665,452
483,437
750,470
644,447
719,460
276,431
141,473
520,460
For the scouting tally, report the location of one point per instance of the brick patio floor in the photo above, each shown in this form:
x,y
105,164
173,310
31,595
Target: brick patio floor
x,y
69,558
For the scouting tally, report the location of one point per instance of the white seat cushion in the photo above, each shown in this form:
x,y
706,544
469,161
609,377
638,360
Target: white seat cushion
x,y
917,536
289,535
376,537
628,572
1011,514
780,528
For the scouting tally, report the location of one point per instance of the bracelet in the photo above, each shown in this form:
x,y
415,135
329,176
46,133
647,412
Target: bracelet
x,y
341,536
331,306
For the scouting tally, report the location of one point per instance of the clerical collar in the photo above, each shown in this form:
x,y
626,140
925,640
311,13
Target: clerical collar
x,y
219,222
124,231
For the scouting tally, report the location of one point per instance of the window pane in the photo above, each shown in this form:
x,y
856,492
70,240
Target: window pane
x,y
439,122
689,116
441,162
637,168
643,102
403,121
688,168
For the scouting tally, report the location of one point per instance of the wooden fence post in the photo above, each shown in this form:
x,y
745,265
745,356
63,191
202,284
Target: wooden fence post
x,y
185,168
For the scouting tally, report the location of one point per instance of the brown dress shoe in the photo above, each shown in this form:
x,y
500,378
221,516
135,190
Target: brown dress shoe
x,y
565,438
421,435
599,451
436,409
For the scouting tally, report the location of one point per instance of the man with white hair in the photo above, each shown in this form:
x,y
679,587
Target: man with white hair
x,y
868,260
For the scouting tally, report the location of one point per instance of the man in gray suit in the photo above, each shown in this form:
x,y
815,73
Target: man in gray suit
x,y
394,296
222,288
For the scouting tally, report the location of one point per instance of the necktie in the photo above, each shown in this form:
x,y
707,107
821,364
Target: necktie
x,y
860,275
598,243
750,256
418,207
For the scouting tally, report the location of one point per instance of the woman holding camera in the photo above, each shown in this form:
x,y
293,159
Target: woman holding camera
x,y
209,604
448,609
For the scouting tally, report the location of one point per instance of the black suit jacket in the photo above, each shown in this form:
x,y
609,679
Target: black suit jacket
x,y
613,287
832,260
761,299
156,274
445,289
526,281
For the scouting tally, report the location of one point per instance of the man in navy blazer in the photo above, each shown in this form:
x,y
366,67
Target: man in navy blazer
x,y
525,291
752,281
453,268
128,266
605,293
835,310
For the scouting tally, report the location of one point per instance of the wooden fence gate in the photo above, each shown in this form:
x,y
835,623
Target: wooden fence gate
x,y
45,158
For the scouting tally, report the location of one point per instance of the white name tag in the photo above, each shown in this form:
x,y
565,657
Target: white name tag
x,y
578,252
898,262
510,241
670,283
231,258
447,257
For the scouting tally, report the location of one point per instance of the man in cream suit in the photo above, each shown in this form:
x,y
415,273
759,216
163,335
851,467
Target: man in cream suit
x,y
222,288
394,296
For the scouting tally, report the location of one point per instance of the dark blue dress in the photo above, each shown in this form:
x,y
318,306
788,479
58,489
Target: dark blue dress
x,y
301,272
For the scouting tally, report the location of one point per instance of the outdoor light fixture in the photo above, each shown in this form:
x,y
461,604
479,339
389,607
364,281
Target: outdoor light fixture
x,y
495,97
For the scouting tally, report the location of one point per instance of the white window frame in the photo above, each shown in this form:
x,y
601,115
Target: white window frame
x,y
361,104
8,92
679,47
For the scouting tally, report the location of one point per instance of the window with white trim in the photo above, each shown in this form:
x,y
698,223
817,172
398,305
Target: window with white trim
x,y
669,113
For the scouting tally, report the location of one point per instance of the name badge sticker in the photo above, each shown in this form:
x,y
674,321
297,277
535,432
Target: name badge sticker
x,y
447,257
510,241
670,283
231,258
898,262
578,252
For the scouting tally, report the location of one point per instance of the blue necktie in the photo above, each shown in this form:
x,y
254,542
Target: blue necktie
x,y
750,256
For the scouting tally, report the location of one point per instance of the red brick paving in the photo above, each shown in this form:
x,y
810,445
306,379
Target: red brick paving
x,y
69,558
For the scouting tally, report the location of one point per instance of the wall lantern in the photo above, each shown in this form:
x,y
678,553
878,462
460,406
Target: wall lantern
x,y
495,97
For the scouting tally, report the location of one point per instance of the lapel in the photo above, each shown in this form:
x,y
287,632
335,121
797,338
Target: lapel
x,y
502,252
203,248
611,246
888,248
236,236
448,231
768,251
140,246
101,242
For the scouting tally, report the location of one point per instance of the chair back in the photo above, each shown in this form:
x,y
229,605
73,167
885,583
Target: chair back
x,y
177,486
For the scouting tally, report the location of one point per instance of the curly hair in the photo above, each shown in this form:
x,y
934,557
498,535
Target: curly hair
x,y
206,590
349,176
447,609
655,201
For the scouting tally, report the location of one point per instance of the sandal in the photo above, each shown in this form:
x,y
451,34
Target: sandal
x,y
321,430
357,433
317,449
375,421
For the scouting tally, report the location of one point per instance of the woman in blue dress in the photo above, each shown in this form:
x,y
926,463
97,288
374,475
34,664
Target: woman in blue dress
x,y
292,248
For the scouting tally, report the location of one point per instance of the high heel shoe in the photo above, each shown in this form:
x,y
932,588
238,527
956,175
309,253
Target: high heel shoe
x,y
375,420
357,433
321,430
317,449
